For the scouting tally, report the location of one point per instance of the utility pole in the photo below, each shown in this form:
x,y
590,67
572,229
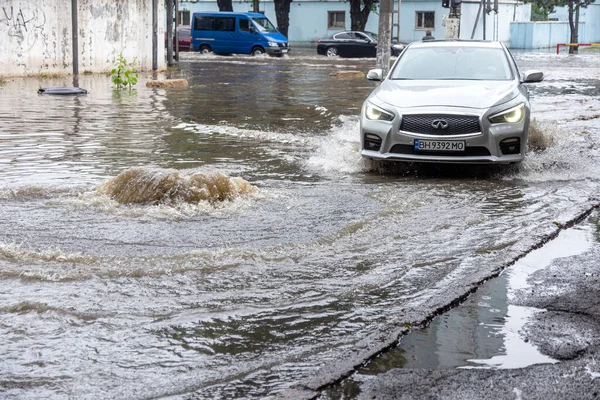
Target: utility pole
x,y
176,30
255,6
384,41
154,35
170,33
74,36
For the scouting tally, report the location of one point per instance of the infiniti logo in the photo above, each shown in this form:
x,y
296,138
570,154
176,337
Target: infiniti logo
x,y
439,124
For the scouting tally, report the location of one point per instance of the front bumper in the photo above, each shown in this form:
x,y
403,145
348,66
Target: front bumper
x,y
277,51
488,146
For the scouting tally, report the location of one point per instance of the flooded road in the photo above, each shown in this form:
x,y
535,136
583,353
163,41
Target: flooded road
x,y
305,250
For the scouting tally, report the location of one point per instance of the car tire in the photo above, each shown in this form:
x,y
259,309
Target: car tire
x,y
331,51
205,49
257,51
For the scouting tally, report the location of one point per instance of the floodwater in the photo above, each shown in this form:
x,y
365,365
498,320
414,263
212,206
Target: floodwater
x,y
226,240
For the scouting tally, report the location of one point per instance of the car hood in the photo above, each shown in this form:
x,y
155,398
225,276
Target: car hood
x,y
446,93
275,37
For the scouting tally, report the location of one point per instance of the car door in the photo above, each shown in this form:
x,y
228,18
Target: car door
x,y
365,47
224,35
246,35
344,43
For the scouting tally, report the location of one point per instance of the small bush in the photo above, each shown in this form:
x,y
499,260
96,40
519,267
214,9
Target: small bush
x,y
2,80
539,138
124,74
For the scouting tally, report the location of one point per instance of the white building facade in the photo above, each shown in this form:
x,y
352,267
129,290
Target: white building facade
x,y
311,20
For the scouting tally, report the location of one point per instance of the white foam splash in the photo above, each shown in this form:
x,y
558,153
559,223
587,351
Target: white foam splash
x,y
340,150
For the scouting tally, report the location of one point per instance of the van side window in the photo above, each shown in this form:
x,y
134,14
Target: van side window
x,y
225,24
245,25
203,23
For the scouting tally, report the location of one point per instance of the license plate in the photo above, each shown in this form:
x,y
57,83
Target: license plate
x,y
284,51
439,145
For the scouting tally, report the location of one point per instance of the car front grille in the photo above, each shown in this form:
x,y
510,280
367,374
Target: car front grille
x,y
440,124
284,45
469,151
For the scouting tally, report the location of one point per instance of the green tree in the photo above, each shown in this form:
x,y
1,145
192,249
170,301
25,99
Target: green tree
x,y
547,6
225,5
359,13
282,13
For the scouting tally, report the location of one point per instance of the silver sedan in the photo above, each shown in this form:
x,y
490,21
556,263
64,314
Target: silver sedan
x,y
451,102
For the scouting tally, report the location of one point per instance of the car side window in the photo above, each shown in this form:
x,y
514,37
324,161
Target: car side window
x,y
225,24
342,36
245,25
203,23
360,36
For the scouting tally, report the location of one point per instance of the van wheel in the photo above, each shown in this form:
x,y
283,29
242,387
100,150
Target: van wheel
x,y
332,51
204,49
257,51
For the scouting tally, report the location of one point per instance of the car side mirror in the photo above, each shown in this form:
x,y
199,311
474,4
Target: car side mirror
x,y
374,74
252,29
532,76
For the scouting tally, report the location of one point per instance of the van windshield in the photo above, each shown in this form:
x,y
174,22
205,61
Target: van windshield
x,y
264,25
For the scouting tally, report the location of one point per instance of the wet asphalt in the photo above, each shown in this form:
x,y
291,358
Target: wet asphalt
x,y
565,328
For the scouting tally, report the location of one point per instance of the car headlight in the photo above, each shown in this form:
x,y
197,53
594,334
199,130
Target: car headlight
x,y
376,113
511,116
273,44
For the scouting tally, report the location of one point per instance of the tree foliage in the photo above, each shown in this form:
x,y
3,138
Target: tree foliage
x,y
359,13
225,5
282,13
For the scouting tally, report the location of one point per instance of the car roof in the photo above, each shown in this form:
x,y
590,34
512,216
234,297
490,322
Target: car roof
x,y
457,43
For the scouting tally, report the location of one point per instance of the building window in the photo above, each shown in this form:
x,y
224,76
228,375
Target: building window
x,y
184,17
425,20
336,19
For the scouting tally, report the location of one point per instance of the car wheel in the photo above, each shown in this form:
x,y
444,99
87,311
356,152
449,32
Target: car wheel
x,y
331,51
257,51
204,49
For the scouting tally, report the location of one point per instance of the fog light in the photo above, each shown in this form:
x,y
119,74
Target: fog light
x,y
510,146
372,142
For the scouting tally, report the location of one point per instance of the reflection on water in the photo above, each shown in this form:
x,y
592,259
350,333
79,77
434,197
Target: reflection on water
x,y
245,297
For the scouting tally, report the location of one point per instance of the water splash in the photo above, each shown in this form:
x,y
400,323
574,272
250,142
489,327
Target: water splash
x,y
145,185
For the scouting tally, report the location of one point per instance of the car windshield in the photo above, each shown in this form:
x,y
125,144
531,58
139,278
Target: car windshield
x,y
452,62
264,25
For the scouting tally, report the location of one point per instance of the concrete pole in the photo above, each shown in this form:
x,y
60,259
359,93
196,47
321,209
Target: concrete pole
x,y
399,5
176,32
384,42
170,33
154,35
75,37
484,14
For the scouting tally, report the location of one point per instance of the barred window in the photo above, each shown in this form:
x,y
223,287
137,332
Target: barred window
x,y
184,17
424,19
336,20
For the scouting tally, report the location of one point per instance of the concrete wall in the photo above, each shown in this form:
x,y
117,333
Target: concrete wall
x,y
497,26
536,35
308,18
539,35
35,35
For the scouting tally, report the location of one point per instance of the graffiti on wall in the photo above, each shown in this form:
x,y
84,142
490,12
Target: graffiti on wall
x,y
23,24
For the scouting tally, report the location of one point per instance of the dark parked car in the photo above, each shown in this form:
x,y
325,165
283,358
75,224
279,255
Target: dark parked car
x,y
353,44
185,39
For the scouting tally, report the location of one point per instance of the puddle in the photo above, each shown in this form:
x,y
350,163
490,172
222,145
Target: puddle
x,y
484,331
